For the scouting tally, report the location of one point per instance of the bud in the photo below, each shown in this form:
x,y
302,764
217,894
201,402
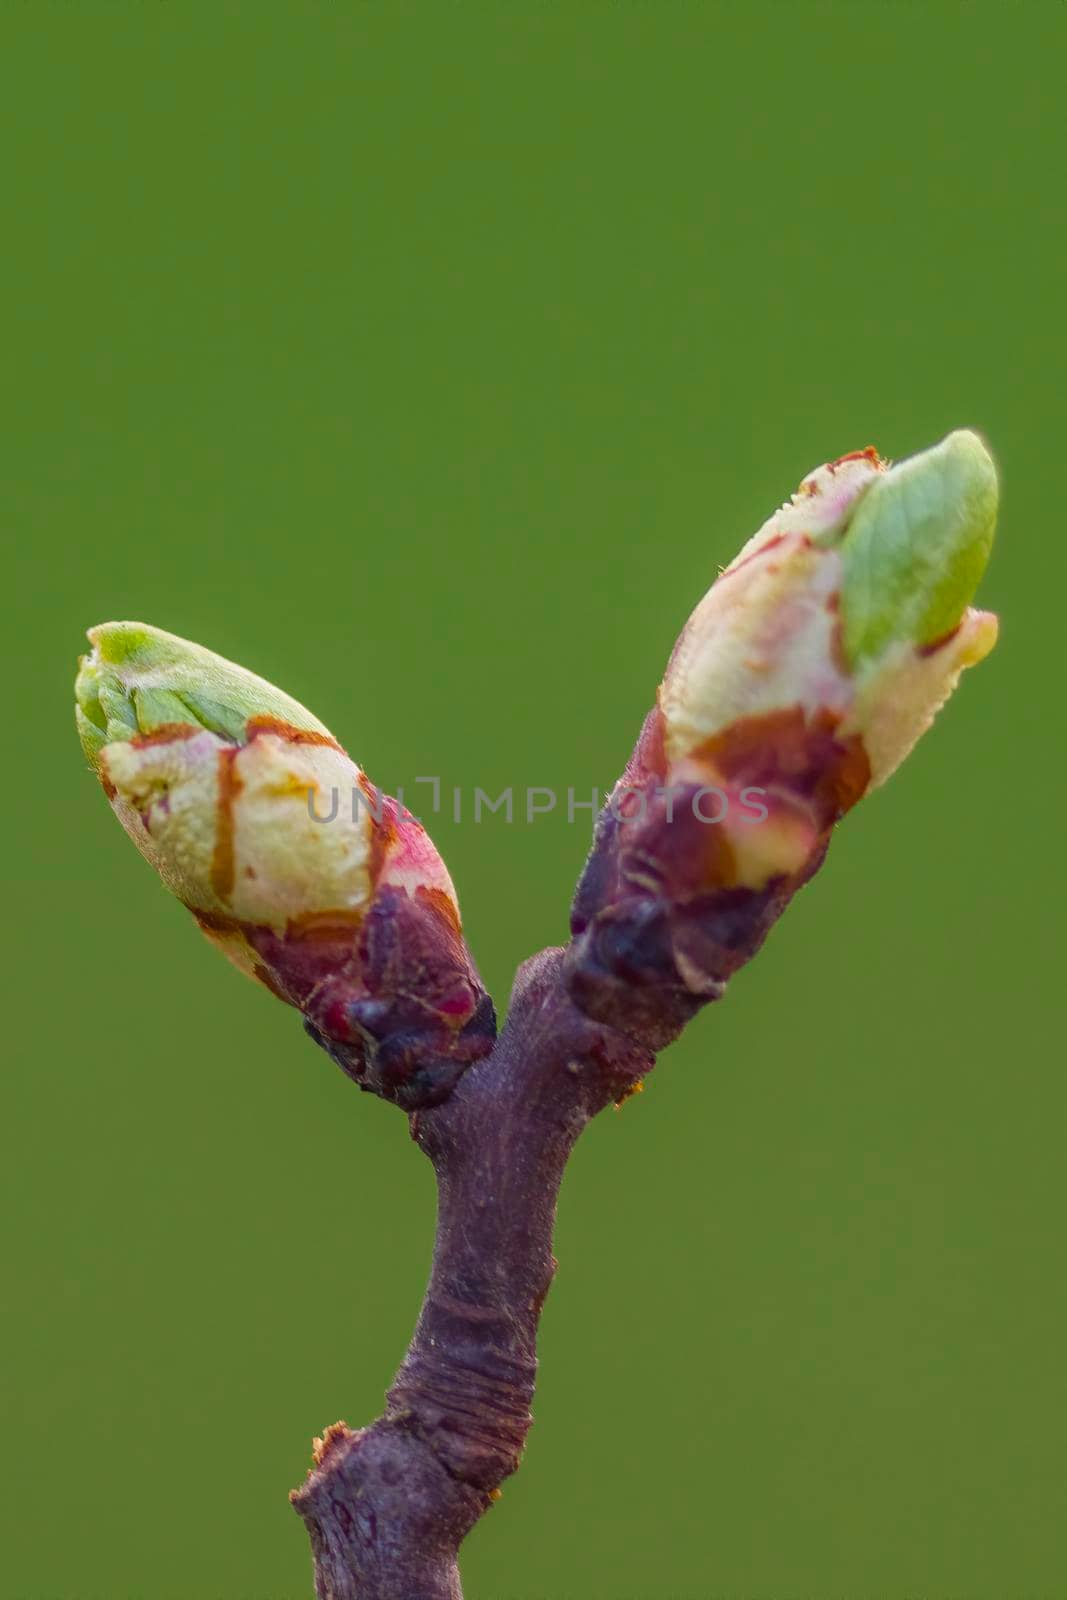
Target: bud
x,y
801,681
306,876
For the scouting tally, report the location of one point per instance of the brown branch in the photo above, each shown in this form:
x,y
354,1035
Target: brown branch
x,y
387,1507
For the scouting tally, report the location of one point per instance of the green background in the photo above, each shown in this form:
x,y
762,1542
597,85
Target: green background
x,y
429,359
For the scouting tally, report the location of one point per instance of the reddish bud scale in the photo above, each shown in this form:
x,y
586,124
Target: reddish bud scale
x,y
660,919
390,993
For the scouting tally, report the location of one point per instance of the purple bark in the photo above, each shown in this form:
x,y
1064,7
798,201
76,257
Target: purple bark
x,y
388,1507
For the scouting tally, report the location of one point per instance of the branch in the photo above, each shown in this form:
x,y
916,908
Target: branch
x,y
387,1507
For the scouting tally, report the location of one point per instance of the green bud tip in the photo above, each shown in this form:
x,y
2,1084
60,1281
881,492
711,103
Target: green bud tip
x,y
916,546
138,679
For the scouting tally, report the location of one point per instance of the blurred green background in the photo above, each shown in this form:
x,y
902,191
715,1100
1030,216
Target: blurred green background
x,y
429,359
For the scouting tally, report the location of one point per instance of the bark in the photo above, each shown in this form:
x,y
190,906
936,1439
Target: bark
x,y
387,1507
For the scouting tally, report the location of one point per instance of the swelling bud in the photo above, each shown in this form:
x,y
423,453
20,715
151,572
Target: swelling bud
x,y
302,872
800,682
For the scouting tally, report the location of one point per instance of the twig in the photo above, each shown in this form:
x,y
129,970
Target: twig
x,y
388,1507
